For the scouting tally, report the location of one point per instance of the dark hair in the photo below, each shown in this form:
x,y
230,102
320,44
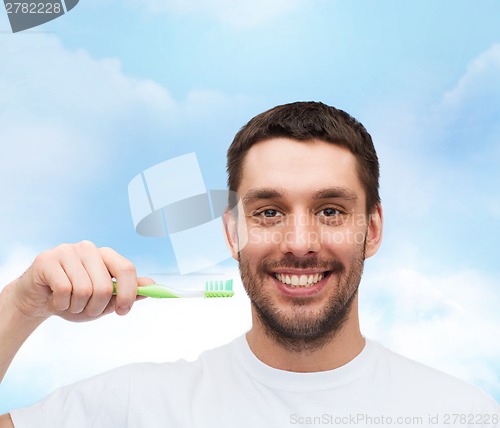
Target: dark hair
x,y
305,121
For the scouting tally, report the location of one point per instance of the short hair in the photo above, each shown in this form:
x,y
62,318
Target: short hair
x,y
305,121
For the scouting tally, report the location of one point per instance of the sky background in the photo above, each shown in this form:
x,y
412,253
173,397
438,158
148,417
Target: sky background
x,y
93,98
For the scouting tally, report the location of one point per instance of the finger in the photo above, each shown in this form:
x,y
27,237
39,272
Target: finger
x,y
60,286
142,281
100,278
82,288
126,279
110,307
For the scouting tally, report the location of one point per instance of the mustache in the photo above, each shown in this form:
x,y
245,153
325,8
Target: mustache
x,y
293,262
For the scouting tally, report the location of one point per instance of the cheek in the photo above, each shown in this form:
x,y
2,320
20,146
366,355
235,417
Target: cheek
x,y
344,243
343,238
263,238
260,244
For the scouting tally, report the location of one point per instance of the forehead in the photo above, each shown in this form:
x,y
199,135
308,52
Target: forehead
x,y
299,167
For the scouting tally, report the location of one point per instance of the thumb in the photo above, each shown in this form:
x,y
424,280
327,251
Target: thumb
x,y
142,281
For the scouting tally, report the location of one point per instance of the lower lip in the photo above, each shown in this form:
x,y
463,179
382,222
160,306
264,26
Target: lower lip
x,y
301,291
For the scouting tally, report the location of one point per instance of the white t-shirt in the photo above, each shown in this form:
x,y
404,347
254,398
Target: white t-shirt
x,y
230,387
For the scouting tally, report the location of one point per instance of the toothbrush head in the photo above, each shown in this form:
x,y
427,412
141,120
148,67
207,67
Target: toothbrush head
x,y
220,288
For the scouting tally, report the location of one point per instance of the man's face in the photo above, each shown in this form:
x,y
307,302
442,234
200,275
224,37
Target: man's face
x,y
308,235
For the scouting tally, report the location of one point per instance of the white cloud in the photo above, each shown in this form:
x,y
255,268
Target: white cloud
x,y
236,13
60,120
467,120
15,263
439,168
65,117
440,189
50,80
478,88
468,116
447,320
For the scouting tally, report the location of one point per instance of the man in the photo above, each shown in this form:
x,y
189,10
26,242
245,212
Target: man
x,y
307,177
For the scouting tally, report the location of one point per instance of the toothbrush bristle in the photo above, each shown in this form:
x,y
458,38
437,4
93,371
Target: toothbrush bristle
x,y
216,288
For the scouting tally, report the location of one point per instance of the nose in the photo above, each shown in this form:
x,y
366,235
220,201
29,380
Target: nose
x,y
300,236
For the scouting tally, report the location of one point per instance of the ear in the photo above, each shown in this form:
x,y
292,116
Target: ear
x,y
231,232
374,233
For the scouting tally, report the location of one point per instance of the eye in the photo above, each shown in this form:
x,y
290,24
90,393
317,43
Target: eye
x,y
270,213
329,212
267,217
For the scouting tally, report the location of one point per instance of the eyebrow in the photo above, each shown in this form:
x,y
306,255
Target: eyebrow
x,y
264,193
279,193
336,192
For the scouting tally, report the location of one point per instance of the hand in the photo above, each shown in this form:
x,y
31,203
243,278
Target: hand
x,y
74,281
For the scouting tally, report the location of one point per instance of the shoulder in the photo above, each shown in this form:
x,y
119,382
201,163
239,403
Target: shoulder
x,y
425,383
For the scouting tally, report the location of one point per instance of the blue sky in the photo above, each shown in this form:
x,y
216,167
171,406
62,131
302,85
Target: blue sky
x,y
93,98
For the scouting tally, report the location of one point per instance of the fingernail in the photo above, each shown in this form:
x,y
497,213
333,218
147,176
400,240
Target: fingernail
x,y
123,310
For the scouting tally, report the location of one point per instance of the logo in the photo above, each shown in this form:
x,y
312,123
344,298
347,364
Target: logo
x,y
25,15
170,199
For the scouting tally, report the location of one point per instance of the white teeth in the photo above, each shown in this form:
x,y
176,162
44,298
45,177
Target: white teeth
x,y
299,281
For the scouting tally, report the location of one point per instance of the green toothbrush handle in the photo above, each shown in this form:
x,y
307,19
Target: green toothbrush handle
x,y
155,291
152,290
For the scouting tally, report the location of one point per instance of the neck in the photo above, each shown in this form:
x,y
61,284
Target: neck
x,y
344,345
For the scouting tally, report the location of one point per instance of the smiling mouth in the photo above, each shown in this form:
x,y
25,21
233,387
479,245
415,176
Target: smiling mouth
x,y
300,280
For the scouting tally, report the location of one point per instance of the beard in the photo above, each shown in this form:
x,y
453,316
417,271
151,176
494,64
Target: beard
x,y
301,328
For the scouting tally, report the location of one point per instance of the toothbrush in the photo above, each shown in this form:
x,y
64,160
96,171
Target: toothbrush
x,y
213,288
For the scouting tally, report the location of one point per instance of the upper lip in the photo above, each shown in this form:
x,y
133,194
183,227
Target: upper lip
x,y
299,271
